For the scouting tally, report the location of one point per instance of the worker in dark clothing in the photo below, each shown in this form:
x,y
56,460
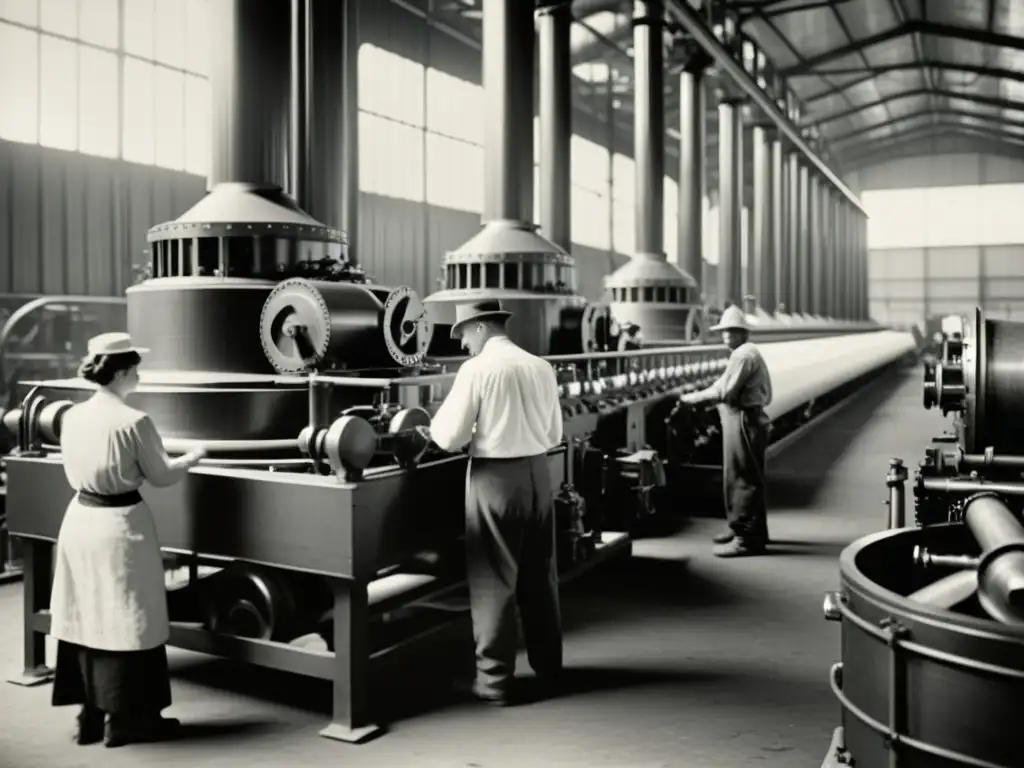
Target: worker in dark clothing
x,y
504,404
742,393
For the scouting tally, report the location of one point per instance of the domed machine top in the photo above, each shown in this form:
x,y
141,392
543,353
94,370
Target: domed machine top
x,y
657,296
309,325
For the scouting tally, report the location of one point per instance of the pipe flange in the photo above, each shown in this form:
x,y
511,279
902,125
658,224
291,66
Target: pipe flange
x,y
295,315
408,329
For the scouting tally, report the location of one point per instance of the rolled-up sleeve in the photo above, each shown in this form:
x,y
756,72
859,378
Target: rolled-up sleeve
x,y
451,429
156,466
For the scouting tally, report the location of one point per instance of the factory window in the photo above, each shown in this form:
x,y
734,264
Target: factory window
x,y
624,227
197,124
139,27
590,222
139,126
197,43
590,165
97,23
454,107
169,39
97,102
623,178
19,80
391,159
59,16
20,12
169,133
379,73
58,89
463,189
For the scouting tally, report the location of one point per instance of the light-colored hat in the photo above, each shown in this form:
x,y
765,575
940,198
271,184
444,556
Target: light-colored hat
x,y
114,343
733,319
488,309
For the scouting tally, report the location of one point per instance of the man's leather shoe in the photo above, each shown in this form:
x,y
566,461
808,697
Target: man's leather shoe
x,y
724,537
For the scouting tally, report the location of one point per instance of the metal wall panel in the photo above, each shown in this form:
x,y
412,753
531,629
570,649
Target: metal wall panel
x,y
967,291
959,263
1003,261
904,264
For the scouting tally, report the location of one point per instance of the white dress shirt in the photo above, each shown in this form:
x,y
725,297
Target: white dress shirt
x,y
504,403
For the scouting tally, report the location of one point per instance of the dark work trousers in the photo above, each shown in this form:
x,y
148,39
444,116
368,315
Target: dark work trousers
x,y
510,548
744,442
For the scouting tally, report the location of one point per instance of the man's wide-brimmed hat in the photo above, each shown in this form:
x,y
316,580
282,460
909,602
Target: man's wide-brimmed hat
x,y
733,319
488,309
114,343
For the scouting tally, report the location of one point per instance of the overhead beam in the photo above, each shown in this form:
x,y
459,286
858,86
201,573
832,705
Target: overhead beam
x,y
928,130
955,113
946,66
920,139
914,26
990,101
694,24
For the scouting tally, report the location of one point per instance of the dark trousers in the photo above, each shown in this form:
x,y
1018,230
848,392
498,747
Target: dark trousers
x,y
115,682
744,442
510,547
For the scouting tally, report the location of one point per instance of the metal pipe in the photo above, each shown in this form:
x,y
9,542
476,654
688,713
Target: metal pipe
x,y
508,42
825,258
804,241
249,79
983,459
1001,571
730,201
793,235
896,480
350,195
926,559
555,25
301,101
814,247
691,172
694,23
760,270
949,591
835,290
776,277
649,126
950,485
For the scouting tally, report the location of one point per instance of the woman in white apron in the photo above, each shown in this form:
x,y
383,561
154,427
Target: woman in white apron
x,y
109,605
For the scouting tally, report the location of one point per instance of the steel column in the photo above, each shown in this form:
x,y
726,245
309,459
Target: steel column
x,y
249,86
508,42
825,262
730,202
649,126
555,24
804,235
793,235
776,295
834,281
814,251
301,100
760,269
865,311
691,173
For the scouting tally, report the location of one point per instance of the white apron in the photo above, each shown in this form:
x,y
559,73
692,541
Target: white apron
x,y
108,586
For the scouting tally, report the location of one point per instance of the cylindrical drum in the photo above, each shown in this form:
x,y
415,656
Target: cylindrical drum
x,y
942,688
199,323
993,376
318,325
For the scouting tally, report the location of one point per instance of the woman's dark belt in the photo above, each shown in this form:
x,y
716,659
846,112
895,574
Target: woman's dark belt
x,y
128,499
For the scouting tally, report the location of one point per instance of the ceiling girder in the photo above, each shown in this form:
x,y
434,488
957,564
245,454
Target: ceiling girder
x,y
876,152
930,128
938,113
990,101
914,26
946,66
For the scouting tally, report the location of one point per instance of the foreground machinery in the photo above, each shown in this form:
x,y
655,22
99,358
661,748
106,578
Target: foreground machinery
x,y
304,535
932,670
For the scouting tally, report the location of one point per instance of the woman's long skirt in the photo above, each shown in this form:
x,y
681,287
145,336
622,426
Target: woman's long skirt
x,y
116,682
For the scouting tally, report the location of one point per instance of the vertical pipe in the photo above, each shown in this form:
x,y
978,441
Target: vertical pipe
x,y
350,113
841,258
865,311
249,74
555,23
508,46
833,270
814,252
777,276
691,173
793,234
730,196
760,271
804,234
301,101
649,126
824,287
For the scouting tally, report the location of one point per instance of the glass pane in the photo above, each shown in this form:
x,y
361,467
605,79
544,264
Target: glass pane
x,y
197,125
97,22
455,107
58,93
952,215
462,191
20,11
197,46
169,17
380,73
139,27
390,158
170,127
898,217
97,83
623,178
59,16
139,119
591,225
19,84
590,165
1001,222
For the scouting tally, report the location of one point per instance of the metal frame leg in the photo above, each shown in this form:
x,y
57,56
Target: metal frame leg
x,y
350,721
37,561
837,754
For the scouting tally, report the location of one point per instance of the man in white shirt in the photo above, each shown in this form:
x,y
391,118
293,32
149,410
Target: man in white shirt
x,y
504,405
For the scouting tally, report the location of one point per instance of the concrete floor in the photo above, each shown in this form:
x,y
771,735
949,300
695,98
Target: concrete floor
x,y
677,659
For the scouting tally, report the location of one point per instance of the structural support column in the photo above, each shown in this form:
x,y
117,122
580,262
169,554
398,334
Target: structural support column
x,y
555,23
760,267
793,235
865,307
249,85
649,127
777,294
846,256
730,203
301,101
825,262
834,281
804,235
691,172
508,42
814,251
333,117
